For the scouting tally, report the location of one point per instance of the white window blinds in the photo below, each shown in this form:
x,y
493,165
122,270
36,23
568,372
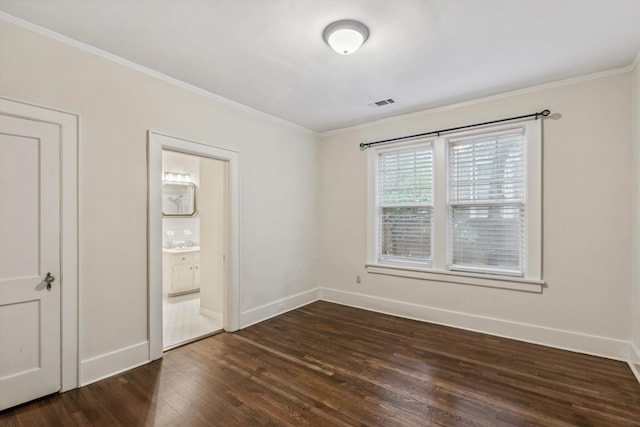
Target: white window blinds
x,y
487,182
405,204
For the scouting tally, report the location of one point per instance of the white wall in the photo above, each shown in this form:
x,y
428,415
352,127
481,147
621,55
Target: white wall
x,y
186,230
117,105
635,300
587,223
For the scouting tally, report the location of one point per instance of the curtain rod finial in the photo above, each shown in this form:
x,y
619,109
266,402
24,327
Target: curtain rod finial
x,y
543,113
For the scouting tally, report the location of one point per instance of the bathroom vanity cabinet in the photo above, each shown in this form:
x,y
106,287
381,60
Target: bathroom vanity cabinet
x,y
181,271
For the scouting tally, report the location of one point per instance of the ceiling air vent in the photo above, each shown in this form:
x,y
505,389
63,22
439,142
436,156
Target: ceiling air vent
x,y
383,102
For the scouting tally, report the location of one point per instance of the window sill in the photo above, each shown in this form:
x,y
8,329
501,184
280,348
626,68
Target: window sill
x,y
485,280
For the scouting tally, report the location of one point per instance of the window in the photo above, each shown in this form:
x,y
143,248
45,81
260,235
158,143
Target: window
x,y
405,205
467,203
487,203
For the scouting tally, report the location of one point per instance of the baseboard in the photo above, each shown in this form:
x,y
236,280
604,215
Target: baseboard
x,y
562,339
106,365
634,354
634,360
635,368
214,315
267,311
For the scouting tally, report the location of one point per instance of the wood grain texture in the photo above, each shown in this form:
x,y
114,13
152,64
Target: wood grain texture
x,y
331,365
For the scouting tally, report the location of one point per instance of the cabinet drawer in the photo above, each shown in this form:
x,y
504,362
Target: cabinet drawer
x,y
177,259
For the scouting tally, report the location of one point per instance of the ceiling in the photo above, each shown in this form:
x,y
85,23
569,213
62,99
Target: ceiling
x,y
269,54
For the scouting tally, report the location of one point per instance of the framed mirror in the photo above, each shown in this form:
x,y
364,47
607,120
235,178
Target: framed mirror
x,y
178,198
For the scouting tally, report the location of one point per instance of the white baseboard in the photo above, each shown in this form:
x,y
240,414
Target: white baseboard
x,y
214,315
635,368
106,365
562,339
267,311
110,364
634,354
634,360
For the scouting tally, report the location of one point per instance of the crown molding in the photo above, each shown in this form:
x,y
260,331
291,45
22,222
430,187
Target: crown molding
x,y
148,71
559,83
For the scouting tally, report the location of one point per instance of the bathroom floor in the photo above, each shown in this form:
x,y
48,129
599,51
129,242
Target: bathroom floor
x,y
182,321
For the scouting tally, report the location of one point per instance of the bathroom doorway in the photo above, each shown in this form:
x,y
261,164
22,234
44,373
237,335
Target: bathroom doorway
x,y
193,264
193,229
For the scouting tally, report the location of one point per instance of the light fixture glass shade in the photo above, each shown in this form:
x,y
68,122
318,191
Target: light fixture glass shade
x,y
346,36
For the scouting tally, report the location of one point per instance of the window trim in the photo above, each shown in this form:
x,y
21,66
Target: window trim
x,y
533,211
460,278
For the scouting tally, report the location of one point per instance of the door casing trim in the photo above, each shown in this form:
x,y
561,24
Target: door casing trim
x,y
231,289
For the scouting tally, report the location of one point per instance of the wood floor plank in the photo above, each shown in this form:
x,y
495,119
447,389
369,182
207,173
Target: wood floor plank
x,y
330,365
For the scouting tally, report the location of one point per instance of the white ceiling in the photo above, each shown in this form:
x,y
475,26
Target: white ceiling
x,y
269,54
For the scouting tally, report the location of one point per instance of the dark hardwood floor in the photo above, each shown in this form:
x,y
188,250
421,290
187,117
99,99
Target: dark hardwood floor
x,y
330,365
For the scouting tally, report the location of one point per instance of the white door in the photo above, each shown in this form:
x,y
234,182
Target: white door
x,y
29,251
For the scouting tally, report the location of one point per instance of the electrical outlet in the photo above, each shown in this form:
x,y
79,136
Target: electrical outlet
x,y
358,279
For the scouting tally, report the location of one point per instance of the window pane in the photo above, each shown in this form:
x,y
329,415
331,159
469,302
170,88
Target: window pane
x,y
486,203
405,233
405,177
487,169
487,237
405,197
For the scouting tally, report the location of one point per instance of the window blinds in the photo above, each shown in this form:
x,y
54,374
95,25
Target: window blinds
x,y
405,204
487,203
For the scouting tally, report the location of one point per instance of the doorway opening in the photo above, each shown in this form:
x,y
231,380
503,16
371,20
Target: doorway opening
x,y
194,207
193,241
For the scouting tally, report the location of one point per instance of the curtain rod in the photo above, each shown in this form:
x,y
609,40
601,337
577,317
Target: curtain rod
x,y
543,113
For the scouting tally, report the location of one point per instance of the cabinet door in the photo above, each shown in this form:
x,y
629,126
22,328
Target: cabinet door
x,y
196,275
182,277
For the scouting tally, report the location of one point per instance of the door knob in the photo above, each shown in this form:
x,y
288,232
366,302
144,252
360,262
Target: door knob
x,y
49,280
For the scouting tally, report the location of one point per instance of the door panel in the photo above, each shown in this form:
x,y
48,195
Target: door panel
x,y
19,351
29,249
19,205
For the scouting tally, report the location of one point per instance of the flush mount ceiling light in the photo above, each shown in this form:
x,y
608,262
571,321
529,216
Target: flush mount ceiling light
x,y
346,36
